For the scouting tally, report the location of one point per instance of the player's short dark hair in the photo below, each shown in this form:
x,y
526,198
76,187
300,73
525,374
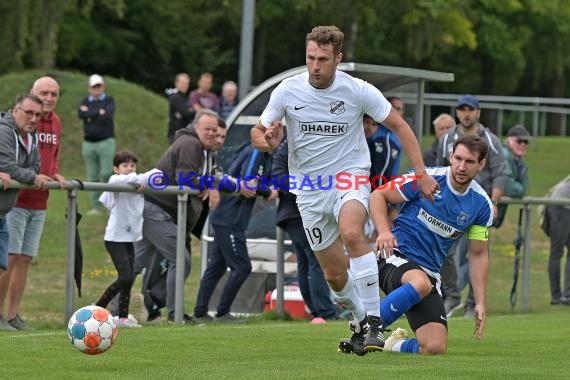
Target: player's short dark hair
x,y
222,123
473,143
325,35
124,156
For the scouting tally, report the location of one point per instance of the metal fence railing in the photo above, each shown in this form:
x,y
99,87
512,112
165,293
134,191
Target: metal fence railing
x,y
527,203
73,186
534,112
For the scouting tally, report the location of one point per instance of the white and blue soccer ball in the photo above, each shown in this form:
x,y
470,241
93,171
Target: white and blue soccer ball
x,y
92,330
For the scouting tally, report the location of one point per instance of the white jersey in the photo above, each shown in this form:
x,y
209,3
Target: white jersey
x,y
324,126
125,209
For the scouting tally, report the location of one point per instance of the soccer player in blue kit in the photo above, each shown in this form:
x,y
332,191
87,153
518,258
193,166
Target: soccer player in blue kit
x,y
323,109
412,253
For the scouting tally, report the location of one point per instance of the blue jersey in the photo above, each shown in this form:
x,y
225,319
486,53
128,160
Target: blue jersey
x,y
235,211
385,151
426,231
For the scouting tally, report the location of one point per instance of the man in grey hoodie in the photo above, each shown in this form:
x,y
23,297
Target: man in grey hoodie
x,y
20,161
492,178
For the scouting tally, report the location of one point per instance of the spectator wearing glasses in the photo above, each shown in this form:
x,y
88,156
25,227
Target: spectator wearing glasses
x,y
26,220
20,161
97,111
516,174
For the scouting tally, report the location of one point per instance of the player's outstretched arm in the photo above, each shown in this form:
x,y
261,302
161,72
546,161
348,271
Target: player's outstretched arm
x,y
478,273
428,185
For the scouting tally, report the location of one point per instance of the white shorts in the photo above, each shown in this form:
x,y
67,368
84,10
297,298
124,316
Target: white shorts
x,y
320,210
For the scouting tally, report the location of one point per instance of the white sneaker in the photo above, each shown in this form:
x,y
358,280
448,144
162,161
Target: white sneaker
x,y
128,322
4,325
138,307
396,336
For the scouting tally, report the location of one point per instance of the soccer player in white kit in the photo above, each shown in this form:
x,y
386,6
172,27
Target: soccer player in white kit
x,y
328,162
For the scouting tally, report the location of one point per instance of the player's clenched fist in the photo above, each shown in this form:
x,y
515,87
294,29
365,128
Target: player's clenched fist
x,y
274,134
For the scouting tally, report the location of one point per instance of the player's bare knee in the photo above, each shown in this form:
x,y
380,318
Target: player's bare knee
x,y
419,281
335,277
434,348
349,235
353,238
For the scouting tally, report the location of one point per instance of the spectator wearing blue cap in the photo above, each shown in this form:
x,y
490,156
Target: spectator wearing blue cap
x,y
455,274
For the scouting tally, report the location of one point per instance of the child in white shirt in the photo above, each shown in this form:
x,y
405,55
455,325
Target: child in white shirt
x,y
123,228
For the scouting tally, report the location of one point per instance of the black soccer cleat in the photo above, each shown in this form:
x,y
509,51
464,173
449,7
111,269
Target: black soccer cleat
x,y
345,346
359,334
374,340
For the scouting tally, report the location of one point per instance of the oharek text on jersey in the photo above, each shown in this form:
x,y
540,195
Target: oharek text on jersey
x,y
325,128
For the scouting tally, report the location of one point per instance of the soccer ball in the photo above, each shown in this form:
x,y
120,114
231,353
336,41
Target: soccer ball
x,y
92,330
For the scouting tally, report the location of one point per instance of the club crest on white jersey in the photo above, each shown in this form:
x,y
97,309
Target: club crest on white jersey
x,y
337,107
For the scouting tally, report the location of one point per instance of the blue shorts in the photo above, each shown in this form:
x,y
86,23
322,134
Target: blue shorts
x,y
25,228
3,244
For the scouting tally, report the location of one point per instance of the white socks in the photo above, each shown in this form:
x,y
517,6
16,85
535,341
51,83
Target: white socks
x,y
350,299
364,270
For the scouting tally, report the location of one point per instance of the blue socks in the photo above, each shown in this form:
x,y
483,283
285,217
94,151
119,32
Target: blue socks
x,y
398,303
410,345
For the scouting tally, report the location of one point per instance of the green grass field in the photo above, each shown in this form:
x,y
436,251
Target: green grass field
x,y
530,346
516,345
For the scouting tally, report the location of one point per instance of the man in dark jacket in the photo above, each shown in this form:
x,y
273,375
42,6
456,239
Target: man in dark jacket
x,y
183,164
180,114
97,111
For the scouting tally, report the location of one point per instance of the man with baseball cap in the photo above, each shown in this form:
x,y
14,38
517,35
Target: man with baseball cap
x,y
97,111
455,274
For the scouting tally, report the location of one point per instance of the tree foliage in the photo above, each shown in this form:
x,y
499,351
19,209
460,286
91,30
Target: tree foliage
x,y
508,47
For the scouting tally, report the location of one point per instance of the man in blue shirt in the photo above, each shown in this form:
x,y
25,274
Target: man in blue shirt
x,y
229,222
385,151
412,253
